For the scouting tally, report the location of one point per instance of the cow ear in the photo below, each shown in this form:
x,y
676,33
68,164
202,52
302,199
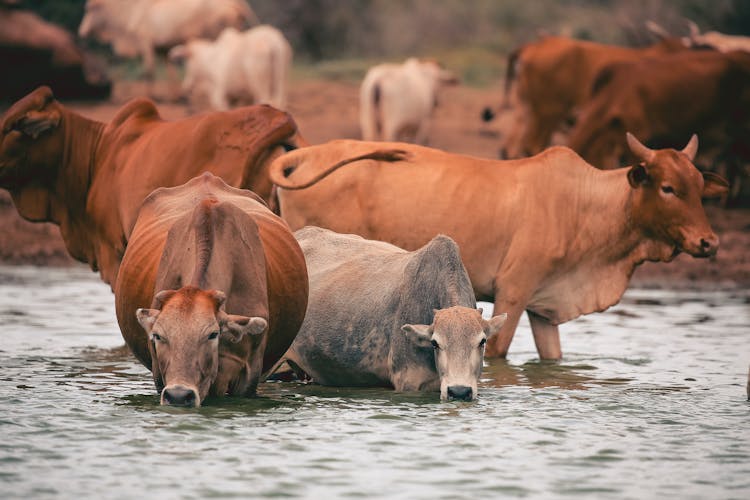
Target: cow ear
x,y
235,327
421,335
34,123
494,324
714,185
161,297
147,318
638,175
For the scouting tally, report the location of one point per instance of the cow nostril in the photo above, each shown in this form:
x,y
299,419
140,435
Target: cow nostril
x,y
179,396
461,392
705,244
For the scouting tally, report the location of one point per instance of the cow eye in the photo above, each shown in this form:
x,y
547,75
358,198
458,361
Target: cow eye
x,y
213,335
156,337
482,342
435,344
667,189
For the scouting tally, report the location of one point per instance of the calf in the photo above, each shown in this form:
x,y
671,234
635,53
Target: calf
x,y
381,316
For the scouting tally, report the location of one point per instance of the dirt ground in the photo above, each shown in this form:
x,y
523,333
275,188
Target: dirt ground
x,y
326,110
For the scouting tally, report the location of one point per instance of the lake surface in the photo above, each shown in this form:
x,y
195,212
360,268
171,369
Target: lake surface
x,y
649,402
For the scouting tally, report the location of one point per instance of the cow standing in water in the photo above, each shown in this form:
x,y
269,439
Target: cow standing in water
x,y
381,316
219,286
549,234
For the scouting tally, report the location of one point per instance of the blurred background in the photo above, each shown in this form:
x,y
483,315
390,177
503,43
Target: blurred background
x,y
341,38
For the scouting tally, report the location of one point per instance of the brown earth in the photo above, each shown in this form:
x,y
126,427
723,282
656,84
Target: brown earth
x,y
326,110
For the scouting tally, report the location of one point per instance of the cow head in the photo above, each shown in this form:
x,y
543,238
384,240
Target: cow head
x,y
186,328
29,145
667,198
457,336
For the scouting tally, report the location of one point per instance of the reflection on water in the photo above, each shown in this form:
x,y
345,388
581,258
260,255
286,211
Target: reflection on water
x,y
649,402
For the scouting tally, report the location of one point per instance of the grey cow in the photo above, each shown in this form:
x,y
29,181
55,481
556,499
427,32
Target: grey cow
x,y
381,316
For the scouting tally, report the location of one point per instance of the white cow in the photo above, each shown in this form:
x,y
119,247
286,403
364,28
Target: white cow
x,y
396,100
250,65
139,27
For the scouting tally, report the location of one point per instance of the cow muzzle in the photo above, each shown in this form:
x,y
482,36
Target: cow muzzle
x,y
706,246
460,392
178,395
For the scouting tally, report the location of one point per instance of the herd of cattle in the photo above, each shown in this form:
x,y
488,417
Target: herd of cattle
x,y
232,245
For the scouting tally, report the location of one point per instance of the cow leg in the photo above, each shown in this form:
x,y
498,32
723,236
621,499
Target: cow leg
x,y
546,337
423,131
218,98
149,59
498,344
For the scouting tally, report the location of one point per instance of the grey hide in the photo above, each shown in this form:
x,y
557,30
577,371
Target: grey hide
x,y
362,293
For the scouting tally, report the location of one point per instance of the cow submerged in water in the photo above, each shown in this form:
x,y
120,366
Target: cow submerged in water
x,y
381,316
219,286
549,234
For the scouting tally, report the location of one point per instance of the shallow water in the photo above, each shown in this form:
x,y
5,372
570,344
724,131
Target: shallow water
x,y
648,403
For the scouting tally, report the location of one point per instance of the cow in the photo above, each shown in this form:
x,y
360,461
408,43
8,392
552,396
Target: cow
x,y
381,316
34,52
553,77
651,99
139,27
549,234
253,65
212,290
396,100
90,177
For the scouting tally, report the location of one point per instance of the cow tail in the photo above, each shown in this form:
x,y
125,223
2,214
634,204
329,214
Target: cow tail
x,y
275,75
510,74
279,172
377,114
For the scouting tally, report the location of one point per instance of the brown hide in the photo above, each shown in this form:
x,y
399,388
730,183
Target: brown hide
x,y
259,266
34,52
90,177
550,234
554,77
663,100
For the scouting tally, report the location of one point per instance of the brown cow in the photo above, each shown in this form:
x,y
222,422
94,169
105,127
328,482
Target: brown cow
x,y
549,234
34,52
663,100
554,77
90,177
227,285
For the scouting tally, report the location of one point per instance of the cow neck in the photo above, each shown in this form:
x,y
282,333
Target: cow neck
x,y
75,174
605,247
613,227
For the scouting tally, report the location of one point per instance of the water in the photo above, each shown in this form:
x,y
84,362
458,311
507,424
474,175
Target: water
x,y
648,403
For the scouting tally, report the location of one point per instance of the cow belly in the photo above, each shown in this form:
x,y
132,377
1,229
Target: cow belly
x,y
342,356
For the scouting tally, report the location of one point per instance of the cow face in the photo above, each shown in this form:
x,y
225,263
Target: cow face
x,y
28,144
667,198
186,328
457,336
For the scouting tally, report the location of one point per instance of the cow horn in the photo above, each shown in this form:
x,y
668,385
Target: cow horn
x,y
692,147
638,149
